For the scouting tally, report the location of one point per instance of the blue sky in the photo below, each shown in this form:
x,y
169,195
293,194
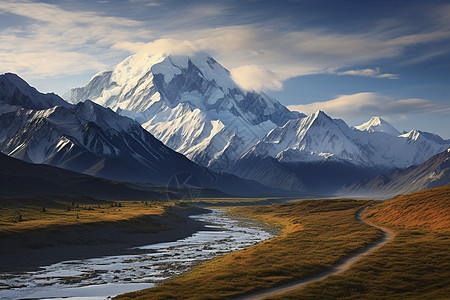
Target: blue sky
x,y
352,59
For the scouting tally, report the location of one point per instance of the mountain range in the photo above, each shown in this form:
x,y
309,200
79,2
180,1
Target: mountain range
x,y
191,104
94,140
156,118
318,153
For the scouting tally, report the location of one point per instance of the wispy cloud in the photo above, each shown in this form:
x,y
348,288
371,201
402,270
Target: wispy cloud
x,y
149,3
371,104
296,53
251,77
88,41
372,73
61,42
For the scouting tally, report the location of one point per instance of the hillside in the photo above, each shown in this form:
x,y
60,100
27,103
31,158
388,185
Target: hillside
x,y
22,179
415,265
426,209
435,172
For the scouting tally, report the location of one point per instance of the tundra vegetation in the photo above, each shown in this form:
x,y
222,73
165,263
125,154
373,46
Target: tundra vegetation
x,y
315,235
22,214
318,233
415,265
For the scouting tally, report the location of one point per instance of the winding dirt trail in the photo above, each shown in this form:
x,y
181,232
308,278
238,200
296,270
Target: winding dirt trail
x,y
342,266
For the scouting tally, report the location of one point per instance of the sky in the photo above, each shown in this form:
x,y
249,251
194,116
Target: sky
x,y
351,59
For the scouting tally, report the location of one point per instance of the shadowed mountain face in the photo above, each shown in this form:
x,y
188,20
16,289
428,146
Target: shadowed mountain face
x,y
321,177
22,179
435,172
91,139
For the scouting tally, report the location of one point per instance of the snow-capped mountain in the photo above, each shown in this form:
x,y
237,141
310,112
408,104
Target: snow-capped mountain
x,y
304,146
435,172
313,138
87,138
191,104
377,124
319,137
94,140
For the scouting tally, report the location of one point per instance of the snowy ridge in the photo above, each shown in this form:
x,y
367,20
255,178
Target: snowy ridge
x,y
189,103
377,124
315,137
57,130
319,137
16,92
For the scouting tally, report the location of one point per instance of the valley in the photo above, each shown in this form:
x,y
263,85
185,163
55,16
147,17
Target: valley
x,y
171,251
317,235
203,150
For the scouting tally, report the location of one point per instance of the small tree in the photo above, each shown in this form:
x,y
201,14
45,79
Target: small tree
x,y
19,218
43,209
68,207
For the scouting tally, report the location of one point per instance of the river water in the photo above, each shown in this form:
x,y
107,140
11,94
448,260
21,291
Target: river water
x,y
100,278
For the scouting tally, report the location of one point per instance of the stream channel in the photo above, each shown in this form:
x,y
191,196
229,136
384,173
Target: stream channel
x,y
104,277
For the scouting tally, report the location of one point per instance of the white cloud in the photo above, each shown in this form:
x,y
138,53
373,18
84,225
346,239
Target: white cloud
x,y
252,77
61,42
365,105
290,54
160,47
372,73
88,41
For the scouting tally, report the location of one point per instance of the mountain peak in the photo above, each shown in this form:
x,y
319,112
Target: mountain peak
x,y
376,120
181,99
320,113
16,91
318,116
377,124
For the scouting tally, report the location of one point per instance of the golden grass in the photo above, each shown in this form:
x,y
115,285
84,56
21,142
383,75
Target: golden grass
x,y
316,234
429,209
64,213
415,265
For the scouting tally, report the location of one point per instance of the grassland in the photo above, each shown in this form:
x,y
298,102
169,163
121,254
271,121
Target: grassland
x,y
315,235
415,265
23,214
